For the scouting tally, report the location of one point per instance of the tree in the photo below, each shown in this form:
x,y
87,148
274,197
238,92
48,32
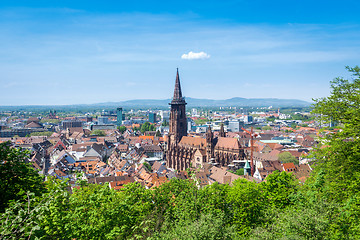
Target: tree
x,y
96,212
165,123
278,188
287,157
310,221
158,134
271,119
16,176
135,129
98,132
210,227
338,155
344,102
21,219
122,129
152,127
46,133
240,171
299,117
201,121
145,127
265,128
247,203
147,166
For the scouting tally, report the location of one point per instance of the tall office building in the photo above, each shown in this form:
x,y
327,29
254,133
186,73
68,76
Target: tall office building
x,y
152,117
119,116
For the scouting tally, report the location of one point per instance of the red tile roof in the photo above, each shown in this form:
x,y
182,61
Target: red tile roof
x,y
228,143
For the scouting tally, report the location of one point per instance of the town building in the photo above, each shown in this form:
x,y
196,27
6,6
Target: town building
x,y
186,151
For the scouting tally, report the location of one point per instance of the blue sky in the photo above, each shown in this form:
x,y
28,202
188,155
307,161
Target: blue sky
x,y
71,52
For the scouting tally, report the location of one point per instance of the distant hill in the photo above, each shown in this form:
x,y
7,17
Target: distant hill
x,y
196,102
164,104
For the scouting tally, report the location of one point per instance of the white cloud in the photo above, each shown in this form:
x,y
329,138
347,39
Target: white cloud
x,y
193,55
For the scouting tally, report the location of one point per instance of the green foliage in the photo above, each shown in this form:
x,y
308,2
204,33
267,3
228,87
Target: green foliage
x,y
165,123
270,119
96,212
20,219
135,129
48,134
311,221
286,157
293,125
98,132
122,129
147,166
338,159
239,171
344,102
46,120
158,134
209,227
246,202
265,128
16,176
299,117
201,121
147,127
279,188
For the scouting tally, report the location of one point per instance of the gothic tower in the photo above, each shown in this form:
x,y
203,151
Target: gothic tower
x,y
222,131
178,120
209,144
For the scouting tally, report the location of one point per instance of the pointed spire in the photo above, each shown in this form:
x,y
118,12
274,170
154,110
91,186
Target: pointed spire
x,y
177,90
222,131
177,98
247,168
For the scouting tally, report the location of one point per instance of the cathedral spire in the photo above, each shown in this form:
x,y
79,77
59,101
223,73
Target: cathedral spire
x,y
177,98
178,119
222,131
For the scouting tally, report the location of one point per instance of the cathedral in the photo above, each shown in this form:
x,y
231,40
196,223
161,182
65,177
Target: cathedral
x,y
185,152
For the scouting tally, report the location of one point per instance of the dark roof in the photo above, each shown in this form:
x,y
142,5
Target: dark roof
x,y
183,175
151,148
98,148
33,125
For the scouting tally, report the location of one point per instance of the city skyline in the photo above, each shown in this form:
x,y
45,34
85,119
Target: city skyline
x,y
60,52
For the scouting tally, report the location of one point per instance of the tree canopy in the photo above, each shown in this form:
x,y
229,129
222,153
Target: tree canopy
x,y
16,176
287,157
46,133
98,132
122,129
338,155
147,127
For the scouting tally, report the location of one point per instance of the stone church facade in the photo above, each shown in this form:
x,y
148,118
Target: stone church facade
x,y
185,151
